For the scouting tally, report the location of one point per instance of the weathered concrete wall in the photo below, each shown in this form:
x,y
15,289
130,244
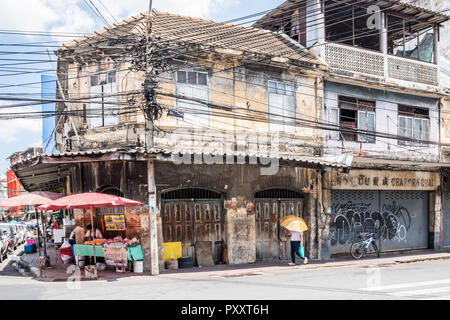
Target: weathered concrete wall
x,y
240,182
240,233
243,89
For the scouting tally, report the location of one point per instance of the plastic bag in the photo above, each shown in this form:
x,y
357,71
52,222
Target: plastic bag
x,y
301,252
65,245
101,266
66,259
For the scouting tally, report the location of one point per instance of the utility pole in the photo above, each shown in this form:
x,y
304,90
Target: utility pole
x,y
149,84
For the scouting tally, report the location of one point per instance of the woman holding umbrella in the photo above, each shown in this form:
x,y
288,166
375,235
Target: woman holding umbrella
x,y
296,227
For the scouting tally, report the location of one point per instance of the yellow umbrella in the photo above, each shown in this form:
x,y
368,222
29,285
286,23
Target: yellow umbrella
x,y
294,223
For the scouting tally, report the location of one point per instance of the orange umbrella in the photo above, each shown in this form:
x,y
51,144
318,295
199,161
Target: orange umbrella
x,y
294,223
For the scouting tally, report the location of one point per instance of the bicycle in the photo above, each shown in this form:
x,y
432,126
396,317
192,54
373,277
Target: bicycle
x,y
361,247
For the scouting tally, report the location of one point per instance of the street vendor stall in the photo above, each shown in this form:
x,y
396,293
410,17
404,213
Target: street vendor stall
x,y
34,199
117,251
112,257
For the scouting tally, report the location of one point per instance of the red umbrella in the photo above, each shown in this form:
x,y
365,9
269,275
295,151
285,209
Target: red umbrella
x,y
90,200
30,199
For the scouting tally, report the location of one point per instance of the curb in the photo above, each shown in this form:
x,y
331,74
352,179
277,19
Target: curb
x,y
386,262
35,272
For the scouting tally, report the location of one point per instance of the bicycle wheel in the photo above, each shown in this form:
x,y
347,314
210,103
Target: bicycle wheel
x,y
356,250
376,249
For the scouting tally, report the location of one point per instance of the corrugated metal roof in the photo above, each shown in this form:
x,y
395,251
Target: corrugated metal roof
x,y
430,16
165,153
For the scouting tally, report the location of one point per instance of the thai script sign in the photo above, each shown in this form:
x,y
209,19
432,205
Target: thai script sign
x,y
382,180
116,254
115,222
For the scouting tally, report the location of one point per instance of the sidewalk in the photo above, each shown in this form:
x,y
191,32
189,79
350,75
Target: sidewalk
x,y
58,270
386,259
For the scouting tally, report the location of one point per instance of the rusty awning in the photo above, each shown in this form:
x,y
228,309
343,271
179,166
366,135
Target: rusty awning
x,y
49,171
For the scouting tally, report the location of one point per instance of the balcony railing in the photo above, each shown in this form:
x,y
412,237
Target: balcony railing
x,y
386,68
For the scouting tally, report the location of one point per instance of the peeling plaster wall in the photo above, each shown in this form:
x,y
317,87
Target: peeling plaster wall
x,y
240,235
242,87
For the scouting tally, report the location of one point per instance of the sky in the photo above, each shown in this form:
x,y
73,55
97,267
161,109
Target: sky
x,y
76,18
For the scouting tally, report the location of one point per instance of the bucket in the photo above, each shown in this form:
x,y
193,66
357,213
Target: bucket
x,y
80,261
138,266
30,241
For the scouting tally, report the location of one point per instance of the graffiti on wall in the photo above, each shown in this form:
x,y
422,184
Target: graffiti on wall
x,y
351,219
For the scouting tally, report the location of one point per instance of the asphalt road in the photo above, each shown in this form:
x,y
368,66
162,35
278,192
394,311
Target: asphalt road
x,y
418,280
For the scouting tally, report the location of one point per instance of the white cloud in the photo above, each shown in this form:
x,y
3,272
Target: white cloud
x,y
195,8
74,16
29,15
10,130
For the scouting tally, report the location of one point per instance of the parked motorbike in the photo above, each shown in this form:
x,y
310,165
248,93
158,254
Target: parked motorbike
x,y
12,245
3,245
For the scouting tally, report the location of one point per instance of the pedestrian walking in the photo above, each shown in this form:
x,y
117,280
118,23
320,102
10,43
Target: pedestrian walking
x,y
296,243
295,226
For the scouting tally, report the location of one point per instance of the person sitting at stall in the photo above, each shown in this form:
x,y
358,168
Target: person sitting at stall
x,y
88,237
76,237
90,233
57,224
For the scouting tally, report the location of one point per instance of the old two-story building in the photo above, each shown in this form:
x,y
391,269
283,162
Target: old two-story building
x,y
231,142
444,64
383,92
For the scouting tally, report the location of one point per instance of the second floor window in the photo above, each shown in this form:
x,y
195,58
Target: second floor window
x,y
103,111
353,114
413,123
192,87
281,106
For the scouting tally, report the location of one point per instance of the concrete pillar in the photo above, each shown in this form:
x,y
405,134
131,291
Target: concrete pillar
x,y
311,221
160,241
240,233
153,212
325,220
319,24
435,220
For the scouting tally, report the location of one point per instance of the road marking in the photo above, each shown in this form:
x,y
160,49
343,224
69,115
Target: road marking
x,y
406,285
419,292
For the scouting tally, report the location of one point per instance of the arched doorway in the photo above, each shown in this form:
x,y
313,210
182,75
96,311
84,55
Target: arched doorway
x,y
190,215
270,206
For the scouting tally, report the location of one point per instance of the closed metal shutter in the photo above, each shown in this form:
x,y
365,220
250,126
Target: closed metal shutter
x,y
405,215
399,219
353,212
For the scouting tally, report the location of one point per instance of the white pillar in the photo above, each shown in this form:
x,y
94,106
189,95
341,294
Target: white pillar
x,y
153,209
384,43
